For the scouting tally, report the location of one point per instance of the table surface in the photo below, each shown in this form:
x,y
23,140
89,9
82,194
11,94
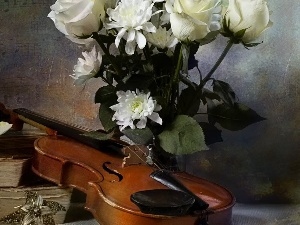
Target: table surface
x,y
243,214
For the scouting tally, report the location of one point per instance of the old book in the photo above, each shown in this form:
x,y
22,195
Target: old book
x,y
16,176
16,150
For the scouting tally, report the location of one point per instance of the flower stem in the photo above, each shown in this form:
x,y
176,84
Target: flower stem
x,y
218,62
173,89
107,53
199,88
147,54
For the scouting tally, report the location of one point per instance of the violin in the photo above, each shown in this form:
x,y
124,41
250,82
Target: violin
x,y
121,187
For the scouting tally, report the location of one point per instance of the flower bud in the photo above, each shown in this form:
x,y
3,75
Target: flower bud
x,y
249,15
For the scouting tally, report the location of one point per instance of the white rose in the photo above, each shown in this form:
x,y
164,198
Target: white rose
x,y
193,19
88,67
77,17
252,15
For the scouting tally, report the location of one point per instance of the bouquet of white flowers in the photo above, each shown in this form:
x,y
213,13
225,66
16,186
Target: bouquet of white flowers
x,y
143,51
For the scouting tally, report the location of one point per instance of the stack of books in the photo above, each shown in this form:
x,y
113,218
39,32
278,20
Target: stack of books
x,y
17,178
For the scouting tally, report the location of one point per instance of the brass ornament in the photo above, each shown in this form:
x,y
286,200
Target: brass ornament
x,y
35,211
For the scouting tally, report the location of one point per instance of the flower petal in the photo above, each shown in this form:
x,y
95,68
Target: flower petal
x,y
130,47
141,40
156,118
119,36
142,123
131,35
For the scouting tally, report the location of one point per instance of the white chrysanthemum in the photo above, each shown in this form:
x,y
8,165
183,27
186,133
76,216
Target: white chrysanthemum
x,y
88,67
4,126
162,38
131,17
134,106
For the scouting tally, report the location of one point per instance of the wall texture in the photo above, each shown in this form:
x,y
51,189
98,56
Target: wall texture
x,y
259,163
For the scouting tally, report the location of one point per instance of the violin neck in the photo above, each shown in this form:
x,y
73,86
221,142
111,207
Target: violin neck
x,y
67,130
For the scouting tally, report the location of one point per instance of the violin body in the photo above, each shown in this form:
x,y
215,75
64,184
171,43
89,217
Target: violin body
x,y
108,184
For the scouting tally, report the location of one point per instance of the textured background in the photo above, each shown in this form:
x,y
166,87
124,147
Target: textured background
x,y
259,163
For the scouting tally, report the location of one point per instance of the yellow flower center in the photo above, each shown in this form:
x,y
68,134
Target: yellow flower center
x,y
136,106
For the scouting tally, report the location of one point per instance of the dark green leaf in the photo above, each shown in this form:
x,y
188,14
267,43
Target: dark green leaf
x,y
140,81
83,36
235,117
139,136
226,28
107,39
240,34
207,94
162,63
211,133
250,45
105,116
224,91
109,77
183,136
106,94
187,103
193,62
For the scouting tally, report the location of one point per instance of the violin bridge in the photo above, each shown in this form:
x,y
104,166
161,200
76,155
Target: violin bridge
x,y
135,155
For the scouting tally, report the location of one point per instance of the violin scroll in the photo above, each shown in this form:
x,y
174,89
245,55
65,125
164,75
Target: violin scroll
x,y
10,117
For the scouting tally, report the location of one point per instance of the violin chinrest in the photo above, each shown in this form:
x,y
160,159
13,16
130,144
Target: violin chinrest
x,y
163,202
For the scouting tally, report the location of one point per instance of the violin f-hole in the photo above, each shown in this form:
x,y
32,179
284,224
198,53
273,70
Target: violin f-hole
x,y
112,171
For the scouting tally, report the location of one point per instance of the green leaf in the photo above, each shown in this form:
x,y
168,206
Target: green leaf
x,y
106,94
139,136
108,39
187,105
234,117
250,45
99,135
105,116
183,136
162,63
240,33
226,28
209,95
211,133
140,81
109,77
224,91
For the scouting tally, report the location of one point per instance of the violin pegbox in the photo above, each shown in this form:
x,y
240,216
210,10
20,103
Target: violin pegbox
x,y
10,117
135,155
